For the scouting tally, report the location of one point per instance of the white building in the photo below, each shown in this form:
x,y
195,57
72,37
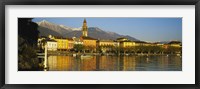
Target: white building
x,y
77,41
51,45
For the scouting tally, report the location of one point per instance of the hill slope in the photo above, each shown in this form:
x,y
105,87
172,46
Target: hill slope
x,y
46,28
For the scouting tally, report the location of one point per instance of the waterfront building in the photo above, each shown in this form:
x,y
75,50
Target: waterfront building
x,y
107,45
77,41
175,43
126,44
51,45
141,43
158,44
89,43
62,43
70,43
122,39
165,46
116,44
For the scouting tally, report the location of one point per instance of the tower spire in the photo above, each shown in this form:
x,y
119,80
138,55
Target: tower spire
x,y
84,28
84,21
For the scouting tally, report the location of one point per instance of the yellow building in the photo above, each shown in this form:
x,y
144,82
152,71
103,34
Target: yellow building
x,y
70,43
105,43
122,39
88,41
142,43
175,43
126,44
62,44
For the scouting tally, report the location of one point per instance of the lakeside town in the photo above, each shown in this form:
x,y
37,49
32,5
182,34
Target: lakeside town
x,y
121,46
86,53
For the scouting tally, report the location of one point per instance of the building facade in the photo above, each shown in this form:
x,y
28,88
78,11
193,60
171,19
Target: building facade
x,y
62,44
70,43
89,43
51,45
175,44
77,41
126,44
106,45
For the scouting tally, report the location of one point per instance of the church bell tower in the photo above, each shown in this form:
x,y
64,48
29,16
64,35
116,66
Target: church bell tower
x,y
84,29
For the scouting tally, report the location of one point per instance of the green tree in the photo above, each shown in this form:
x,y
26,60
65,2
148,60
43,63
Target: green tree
x,y
173,50
140,49
28,30
27,45
99,49
133,49
78,47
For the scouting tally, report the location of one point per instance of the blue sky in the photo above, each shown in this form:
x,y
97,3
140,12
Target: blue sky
x,y
146,29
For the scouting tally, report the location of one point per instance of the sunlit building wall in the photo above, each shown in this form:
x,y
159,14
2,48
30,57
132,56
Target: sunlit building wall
x,y
125,44
70,43
62,44
89,43
51,45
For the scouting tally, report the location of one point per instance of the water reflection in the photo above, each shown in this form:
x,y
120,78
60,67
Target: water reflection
x,y
115,63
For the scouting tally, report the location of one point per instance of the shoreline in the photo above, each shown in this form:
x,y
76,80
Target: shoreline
x,y
64,53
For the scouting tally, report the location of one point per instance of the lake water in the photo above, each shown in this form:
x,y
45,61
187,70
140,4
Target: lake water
x,y
115,63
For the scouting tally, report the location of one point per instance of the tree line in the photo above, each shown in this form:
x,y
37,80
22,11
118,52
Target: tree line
x,y
132,49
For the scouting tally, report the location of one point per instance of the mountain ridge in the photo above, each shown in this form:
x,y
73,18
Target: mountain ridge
x,y
46,28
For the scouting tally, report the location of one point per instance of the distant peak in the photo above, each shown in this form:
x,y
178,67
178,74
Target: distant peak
x,y
62,25
44,21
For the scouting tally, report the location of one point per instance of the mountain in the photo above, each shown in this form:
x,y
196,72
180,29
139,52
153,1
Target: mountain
x,y
58,29
45,32
97,33
47,28
163,42
131,38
